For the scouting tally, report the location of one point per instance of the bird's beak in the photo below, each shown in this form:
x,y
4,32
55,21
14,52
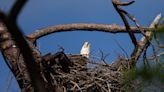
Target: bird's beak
x,y
88,44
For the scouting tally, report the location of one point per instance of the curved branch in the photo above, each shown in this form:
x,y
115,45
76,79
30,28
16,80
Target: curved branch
x,y
123,3
82,27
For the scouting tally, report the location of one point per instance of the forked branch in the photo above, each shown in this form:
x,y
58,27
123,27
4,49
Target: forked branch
x,y
117,4
144,42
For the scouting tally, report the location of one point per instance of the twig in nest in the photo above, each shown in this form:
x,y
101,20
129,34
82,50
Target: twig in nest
x,y
75,85
101,86
108,85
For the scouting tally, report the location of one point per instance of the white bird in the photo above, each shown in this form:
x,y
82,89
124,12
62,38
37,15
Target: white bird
x,y
85,50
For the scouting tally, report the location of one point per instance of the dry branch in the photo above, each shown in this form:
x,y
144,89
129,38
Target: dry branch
x,y
116,4
123,3
82,27
144,42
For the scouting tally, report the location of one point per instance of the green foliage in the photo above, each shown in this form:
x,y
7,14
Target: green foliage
x,y
129,75
143,78
161,29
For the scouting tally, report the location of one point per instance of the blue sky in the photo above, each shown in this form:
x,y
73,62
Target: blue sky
x,y
43,13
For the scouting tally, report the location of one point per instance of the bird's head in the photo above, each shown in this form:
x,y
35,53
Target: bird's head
x,y
85,50
86,45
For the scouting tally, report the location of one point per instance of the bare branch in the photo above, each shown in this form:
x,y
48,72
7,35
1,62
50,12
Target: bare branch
x,y
144,43
82,27
119,10
75,85
123,3
119,45
103,57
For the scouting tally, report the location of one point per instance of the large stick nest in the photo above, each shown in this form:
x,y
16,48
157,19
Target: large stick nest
x,y
75,73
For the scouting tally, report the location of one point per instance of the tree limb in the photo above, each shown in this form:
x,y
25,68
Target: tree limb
x,y
113,28
123,3
144,42
119,10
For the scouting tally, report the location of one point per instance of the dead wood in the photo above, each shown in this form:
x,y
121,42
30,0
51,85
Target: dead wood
x,y
111,28
81,77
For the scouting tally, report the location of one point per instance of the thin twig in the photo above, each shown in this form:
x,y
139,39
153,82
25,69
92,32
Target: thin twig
x,y
121,48
108,85
103,57
135,21
75,85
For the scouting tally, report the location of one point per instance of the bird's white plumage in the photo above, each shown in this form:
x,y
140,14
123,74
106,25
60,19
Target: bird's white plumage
x,y
85,50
